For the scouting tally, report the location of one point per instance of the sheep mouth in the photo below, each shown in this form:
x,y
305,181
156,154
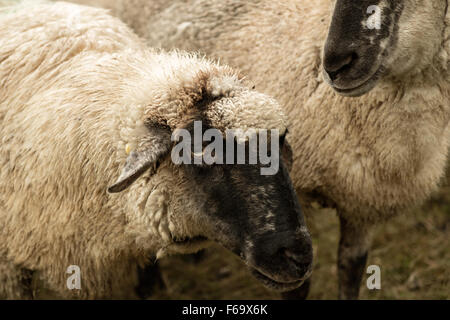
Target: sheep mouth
x,y
276,285
363,88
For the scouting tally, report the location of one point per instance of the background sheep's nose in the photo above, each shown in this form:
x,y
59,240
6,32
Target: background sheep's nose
x,y
336,62
301,260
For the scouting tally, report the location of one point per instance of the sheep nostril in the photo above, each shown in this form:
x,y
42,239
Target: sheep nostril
x,y
336,64
333,75
301,262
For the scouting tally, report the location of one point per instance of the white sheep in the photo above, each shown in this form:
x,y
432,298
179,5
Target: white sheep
x,y
369,156
82,96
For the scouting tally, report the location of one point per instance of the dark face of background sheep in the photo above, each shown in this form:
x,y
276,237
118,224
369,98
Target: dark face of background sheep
x,y
256,216
372,39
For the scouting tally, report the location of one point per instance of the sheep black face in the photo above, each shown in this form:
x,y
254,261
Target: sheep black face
x,y
256,216
372,39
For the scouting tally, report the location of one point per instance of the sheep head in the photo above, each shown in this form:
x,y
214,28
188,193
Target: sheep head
x,y
184,205
370,40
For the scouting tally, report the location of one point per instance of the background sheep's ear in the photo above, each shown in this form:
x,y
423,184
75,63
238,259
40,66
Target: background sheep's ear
x,y
138,162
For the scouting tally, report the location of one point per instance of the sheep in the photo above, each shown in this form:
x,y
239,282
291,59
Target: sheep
x,y
81,97
371,138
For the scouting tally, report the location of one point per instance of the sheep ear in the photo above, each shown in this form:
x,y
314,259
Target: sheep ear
x,y
138,162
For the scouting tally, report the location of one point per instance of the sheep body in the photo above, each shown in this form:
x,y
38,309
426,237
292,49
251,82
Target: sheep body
x,y
76,86
30,72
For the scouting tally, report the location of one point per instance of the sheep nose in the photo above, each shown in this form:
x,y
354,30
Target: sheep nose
x,y
338,61
301,260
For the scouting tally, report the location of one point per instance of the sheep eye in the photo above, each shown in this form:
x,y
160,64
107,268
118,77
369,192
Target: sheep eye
x,y
201,156
198,155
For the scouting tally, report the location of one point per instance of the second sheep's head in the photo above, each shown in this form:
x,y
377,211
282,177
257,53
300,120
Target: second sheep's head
x,y
183,206
372,40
